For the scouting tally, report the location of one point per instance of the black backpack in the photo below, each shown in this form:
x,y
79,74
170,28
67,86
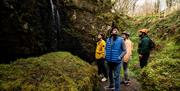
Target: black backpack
x,y
151,44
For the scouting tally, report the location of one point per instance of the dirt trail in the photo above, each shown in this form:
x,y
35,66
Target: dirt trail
x,y
134,86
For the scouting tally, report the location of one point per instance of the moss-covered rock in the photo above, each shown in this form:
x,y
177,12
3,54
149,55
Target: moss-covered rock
x,y
161,75
162,72
59,71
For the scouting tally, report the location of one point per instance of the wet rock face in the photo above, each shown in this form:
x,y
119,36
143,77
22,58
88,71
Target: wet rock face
x,y
83,25
28,27
25,28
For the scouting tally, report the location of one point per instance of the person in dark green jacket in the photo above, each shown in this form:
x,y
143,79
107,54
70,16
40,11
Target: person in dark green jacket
x,y
144,47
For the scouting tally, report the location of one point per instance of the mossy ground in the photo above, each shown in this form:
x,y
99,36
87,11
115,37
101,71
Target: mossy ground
x,y
59,71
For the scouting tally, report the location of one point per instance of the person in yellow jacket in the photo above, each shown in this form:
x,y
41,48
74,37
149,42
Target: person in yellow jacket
x,y
127,56
100,57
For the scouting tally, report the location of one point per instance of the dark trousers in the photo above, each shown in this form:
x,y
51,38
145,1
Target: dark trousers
x,y
114,74
102,67
144,60
125,68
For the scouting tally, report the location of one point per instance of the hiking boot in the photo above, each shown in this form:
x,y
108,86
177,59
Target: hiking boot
x,y
104,79
122,82
111,86
126,83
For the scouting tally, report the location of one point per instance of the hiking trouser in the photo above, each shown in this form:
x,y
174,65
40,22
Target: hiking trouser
x,y
101,67
114,74
144,60
125,68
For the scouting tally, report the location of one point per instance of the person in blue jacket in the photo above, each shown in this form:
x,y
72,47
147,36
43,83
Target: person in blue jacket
x,y
115,50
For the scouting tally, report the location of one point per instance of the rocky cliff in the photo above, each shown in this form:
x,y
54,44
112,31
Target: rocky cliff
x,y
35,27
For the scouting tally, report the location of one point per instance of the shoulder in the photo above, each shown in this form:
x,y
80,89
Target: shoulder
x,y
103,42
108,39
126,41
129,41
120,38
145,38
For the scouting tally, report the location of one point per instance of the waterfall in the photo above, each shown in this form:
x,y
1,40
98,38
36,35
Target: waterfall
x,y
55,26
52,8
58,28
58,20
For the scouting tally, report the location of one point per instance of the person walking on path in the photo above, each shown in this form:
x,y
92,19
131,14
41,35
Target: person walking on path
x,y
144,47
127,56
115,50
100,57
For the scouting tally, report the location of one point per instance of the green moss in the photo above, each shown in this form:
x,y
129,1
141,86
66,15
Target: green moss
x,y
162,74
54,71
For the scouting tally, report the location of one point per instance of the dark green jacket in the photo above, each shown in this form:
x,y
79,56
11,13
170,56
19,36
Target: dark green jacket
x,y
144,45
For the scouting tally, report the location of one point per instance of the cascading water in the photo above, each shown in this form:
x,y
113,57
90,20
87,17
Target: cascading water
x,y
58,19
58,28
55,25
52,8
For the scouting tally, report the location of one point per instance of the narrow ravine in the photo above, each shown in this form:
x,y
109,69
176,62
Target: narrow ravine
x,y
49,45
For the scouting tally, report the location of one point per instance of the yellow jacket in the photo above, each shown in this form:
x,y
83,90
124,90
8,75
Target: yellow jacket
x,y
100,49
129,48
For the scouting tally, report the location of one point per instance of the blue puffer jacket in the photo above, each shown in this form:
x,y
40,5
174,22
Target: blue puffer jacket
x,y
114,51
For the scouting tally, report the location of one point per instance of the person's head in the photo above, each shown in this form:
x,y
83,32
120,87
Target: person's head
x,y
142,32
100,36
114,31
125,35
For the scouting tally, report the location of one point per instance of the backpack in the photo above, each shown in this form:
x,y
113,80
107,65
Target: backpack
x,y
151,44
